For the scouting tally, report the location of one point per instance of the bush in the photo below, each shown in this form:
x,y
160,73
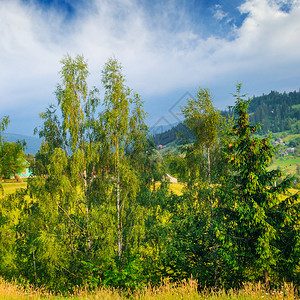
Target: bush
x,y
18,178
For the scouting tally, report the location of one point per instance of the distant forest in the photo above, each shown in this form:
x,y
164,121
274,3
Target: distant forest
x,y
276,112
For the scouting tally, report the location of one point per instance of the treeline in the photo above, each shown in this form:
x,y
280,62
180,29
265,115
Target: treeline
x,y
276,112
179,133
95,215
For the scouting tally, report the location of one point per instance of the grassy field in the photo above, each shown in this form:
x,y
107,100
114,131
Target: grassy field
x,y
176,188
287,164
11,187
184,290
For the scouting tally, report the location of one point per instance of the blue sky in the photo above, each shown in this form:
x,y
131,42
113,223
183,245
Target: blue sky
x,y
167,48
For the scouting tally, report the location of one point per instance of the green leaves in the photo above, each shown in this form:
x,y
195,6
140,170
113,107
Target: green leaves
x,y
202,118
12,158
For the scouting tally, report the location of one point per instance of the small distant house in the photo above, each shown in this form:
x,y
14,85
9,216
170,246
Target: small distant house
x,y
283,154
25,173
171,178
290,150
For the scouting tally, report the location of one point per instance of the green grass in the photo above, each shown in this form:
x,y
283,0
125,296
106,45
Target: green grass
x,y
290,137
11,187
287,164
176,188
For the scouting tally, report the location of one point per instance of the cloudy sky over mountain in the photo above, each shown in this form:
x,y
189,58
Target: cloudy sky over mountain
x,y
167,48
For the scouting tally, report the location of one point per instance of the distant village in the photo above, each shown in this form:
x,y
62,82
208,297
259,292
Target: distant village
x,y
283,153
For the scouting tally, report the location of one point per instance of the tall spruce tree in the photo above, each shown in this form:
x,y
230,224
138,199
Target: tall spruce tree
x,y
254,216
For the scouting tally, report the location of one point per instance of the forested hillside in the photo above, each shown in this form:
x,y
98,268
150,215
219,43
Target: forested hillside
x,y
276,112
99,211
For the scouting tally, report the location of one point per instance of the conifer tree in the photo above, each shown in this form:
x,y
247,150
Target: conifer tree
x,y
253,215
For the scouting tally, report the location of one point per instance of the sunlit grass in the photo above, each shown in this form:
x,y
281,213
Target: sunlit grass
x,y
287,164
11,187
186,289
176,188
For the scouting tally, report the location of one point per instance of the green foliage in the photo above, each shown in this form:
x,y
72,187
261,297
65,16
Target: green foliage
x,y
99,211
83,224
12,156
3,124
253,219
202,118
205,122
276,111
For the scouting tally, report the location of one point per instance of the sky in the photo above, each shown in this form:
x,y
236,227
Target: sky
x,y
168,49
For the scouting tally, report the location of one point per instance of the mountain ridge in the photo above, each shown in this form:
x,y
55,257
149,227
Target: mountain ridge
x,y
32,143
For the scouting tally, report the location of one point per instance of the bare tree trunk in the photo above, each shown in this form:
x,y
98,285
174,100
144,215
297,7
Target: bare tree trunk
x,y
34,266
208,164
266,277
71,240
89,240
120,235
214,246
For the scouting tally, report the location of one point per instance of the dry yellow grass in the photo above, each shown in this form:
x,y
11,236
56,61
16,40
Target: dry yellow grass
x,y
176,188
166,291
12,291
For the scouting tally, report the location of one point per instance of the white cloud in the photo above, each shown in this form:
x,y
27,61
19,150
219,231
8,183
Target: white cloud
x,y
219,14
160,53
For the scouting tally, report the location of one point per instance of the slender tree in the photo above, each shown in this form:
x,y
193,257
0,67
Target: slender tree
x,y
3,124
125,135
204,121
66,162
13,158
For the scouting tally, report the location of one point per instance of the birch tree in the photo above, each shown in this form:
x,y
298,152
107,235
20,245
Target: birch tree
x,y
65,164
204,121
125,133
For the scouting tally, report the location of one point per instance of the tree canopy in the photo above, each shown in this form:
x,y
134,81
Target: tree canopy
x,y
100,211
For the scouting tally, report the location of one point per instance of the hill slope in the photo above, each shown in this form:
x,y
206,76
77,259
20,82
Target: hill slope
x,y
276,112
32,143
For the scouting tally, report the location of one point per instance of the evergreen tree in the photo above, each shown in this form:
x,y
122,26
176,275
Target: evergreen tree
x,y
253,217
